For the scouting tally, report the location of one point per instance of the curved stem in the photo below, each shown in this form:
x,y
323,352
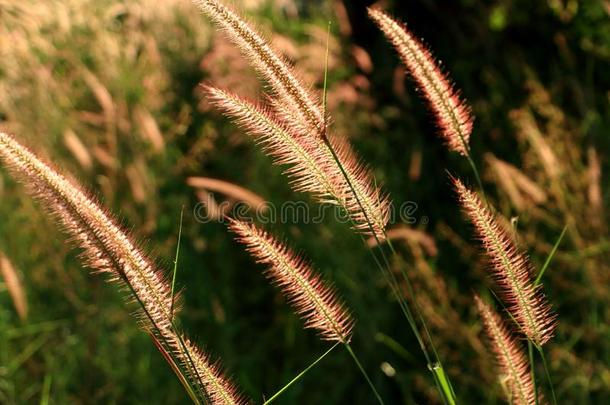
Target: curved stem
x,y
530,349
548,374
448,395
440,377
299,376
366,376
476,175
171,311
445,389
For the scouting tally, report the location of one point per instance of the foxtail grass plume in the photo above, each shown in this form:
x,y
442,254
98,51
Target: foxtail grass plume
x,y
107,249
511,269
292,93
513,364
453,115
295,129
312,168
312,298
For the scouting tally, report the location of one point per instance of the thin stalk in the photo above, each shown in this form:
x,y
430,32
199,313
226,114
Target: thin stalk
x,y
324,90
180,340
437,369
181,377
366,376
391,279
300,375
404,306
448,396
550,256
444,386
537,282
171,312
530,349
548,374
412,294
476,175
473,166
123,276
393,283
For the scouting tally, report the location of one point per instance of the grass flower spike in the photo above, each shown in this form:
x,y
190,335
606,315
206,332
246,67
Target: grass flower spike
x,y
512,271
312,168
293,95
313,299
108,250
513,363
279,141
452,114
294,130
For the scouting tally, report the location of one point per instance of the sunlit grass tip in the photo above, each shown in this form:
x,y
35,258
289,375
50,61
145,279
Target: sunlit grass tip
x,y
107,249
313,299
453,115
511,269
293,96
312,167
511,359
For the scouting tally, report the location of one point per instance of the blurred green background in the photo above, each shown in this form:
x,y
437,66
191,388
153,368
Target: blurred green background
x,y
108,91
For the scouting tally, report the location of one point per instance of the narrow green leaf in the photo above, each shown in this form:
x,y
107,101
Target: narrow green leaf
x,y
299,376
550,256
176,261
325,91
45,396
440,375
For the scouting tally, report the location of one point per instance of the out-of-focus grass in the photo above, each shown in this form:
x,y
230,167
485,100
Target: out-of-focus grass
x,y
108,91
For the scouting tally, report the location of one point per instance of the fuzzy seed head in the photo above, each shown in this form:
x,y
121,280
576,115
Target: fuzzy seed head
x,y
511,270
453,115
513,364
312,167
107,249
297,113
292,93
218,387
311,297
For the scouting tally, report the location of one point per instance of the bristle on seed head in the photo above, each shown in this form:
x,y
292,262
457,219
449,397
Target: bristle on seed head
x,y
511,270
453,115
312,298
